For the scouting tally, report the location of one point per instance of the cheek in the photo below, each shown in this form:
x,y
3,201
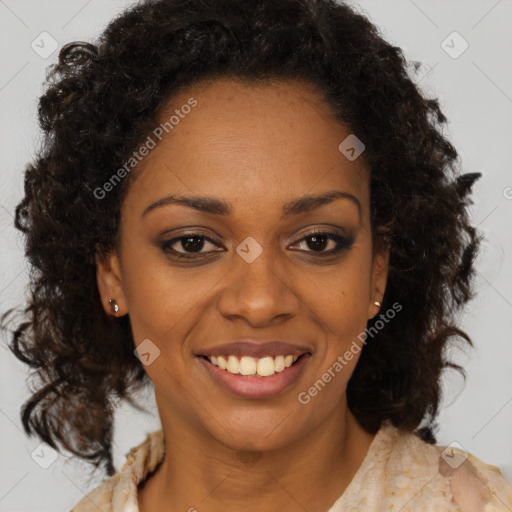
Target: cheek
x,y
341,311
344,297
154,296
165,302
160,306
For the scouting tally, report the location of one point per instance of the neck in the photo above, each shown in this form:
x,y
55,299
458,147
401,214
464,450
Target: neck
x,y
198,472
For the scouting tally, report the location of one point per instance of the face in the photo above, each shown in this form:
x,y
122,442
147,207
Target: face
x,y
250,262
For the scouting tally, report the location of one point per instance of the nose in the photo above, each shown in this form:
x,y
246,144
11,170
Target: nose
x,y
260,292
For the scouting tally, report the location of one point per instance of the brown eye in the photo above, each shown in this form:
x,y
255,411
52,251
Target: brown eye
x,y
190,244
317,242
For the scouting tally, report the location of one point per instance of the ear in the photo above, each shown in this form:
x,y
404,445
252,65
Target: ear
x,y
110,282
380,268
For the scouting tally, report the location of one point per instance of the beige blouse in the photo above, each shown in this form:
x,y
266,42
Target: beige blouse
x,y
400,473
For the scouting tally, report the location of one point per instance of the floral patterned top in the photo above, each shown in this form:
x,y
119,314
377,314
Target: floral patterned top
x,y
400,473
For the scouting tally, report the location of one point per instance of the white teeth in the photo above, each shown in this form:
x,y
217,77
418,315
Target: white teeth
x,y
266,367
279,364
247,365
233,364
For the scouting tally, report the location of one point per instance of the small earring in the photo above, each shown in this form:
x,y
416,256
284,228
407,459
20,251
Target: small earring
x,y
377,303
113,306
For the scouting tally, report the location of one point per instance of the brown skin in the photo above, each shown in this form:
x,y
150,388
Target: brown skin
x,y
257,148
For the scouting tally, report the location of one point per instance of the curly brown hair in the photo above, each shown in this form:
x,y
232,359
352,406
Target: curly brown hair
x,y
101,101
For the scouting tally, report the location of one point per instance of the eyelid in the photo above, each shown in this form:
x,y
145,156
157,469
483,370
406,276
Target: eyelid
x,y
296,237
324,229
177,234
342,241
174,240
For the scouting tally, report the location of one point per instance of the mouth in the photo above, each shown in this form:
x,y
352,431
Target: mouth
x,y
255,378
248,366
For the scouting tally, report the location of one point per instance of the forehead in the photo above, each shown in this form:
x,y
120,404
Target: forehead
x,y
275,139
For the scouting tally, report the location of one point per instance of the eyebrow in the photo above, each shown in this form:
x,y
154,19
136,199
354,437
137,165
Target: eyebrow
x,y
217,206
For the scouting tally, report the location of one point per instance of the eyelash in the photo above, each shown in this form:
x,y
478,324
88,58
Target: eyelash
x,y
343,243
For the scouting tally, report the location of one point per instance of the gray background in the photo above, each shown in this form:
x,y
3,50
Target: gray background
x,y
475,90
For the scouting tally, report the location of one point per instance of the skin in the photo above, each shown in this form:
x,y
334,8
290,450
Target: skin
x,y
256,147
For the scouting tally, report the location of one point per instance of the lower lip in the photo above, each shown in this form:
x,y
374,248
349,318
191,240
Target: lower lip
x,y
257,387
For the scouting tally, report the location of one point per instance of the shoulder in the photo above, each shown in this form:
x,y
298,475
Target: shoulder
x,y
402,472
443,477
119,492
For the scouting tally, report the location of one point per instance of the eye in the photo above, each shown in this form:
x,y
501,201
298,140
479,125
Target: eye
x,y
317,242
191,243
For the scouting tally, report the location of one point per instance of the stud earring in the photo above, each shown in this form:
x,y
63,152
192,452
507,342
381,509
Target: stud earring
x,y
113,306
377,303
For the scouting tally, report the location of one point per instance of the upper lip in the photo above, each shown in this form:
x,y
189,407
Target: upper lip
x,y
255,348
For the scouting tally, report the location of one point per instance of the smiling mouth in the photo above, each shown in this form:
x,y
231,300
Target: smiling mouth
x,y
253,367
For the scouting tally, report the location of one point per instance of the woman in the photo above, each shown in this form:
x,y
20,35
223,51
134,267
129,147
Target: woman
x,y
252,207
